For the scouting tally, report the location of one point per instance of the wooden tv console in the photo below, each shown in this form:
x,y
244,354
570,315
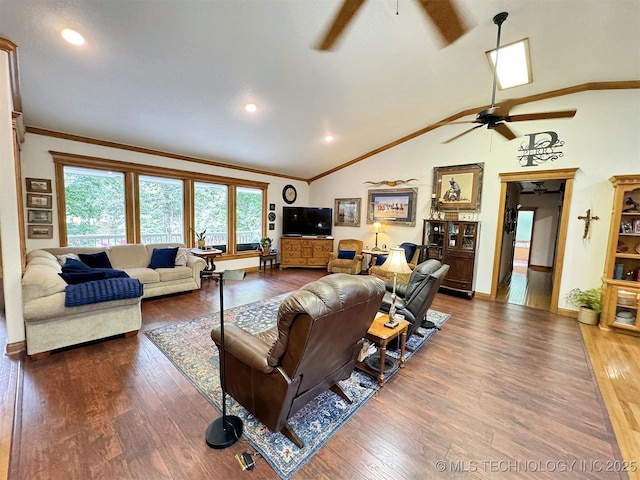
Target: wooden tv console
x,y
309,252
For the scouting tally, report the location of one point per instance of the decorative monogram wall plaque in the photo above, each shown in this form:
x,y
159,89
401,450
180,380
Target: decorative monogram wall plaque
x,y
542,148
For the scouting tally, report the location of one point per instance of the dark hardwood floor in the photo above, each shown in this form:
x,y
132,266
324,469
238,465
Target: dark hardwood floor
x,y
500,390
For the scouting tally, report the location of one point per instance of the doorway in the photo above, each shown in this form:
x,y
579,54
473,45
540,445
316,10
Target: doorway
x,y
543,266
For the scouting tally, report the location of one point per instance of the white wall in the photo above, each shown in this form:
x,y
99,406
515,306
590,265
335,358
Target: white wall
x,y
545,226
602,140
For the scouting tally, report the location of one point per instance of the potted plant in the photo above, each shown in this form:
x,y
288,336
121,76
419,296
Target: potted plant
x,y
590,303
200,238
265,244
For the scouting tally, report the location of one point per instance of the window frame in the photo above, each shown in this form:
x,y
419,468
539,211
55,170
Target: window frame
x,y
132,171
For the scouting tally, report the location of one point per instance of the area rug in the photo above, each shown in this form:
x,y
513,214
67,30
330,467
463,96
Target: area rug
x,y
189,347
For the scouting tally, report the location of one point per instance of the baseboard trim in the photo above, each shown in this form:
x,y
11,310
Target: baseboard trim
x,y
16,348
484,296
565,312
540,268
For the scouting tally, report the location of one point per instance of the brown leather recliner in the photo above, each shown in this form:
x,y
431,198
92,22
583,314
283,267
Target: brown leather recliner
x,y
314,345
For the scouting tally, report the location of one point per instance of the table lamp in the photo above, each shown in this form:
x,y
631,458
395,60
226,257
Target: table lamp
x,y
395,263
377,227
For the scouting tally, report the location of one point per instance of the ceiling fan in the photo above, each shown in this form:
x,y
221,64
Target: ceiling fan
x,y
495,116
442,13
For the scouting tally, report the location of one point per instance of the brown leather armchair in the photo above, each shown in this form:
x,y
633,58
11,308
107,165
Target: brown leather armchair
x,y
348,258
314,345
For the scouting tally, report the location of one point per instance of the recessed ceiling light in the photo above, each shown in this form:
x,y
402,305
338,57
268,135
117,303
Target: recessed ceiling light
x,y
250,107
72,36
328,138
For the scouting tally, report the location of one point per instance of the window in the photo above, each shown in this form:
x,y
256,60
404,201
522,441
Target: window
x,y
249,207
161,210
108,202
211,208
95,207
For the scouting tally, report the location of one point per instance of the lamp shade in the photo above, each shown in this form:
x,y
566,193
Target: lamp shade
x,y
377,227
396,262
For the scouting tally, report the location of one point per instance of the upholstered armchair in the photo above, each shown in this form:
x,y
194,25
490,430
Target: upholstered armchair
x,y
412,254
414,298
314,345
348,258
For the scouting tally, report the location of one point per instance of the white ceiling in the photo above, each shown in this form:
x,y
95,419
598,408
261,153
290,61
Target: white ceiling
x,y
173,75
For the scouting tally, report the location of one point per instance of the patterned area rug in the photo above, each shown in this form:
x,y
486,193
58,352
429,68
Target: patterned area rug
x,y
189,346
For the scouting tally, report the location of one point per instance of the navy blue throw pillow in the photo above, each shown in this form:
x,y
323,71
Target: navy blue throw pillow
x,y
96,260
73,266
346,254
112,272
163,258
74,278
409,250
380,259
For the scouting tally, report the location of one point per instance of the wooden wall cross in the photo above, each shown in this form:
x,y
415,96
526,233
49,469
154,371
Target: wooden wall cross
x,y
587,222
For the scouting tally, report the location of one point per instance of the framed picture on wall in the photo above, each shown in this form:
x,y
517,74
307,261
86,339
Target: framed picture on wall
x,y
39,216
40,231
40,185
36,200
393,205
347,212
458,187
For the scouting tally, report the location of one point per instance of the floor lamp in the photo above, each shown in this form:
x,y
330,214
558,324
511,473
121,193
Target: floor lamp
x,y
227,429
395,263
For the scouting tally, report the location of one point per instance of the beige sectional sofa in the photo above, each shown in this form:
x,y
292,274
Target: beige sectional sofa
x,y
50,325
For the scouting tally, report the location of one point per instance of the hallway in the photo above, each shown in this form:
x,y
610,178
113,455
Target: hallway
x,y
526,286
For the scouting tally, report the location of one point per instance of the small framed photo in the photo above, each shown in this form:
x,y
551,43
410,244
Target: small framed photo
x,y
39,216
636,226
272,226
347,212
626,227
40,185
272,206
36,200
40,231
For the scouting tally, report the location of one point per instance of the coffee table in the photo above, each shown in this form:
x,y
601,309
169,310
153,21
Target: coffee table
x,y
381,336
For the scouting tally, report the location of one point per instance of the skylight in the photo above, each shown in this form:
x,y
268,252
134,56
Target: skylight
x,y
514,64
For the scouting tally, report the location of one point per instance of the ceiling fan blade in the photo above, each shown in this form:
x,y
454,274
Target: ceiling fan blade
x,y
540,116
503,130
348,9
461,134
445,17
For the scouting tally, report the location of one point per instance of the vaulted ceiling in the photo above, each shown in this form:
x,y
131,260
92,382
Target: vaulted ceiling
x,y
174,75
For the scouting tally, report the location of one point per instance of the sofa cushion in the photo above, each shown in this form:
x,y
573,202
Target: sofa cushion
x,y
174,273
73,278
95,260
346,254
41,281
129,256
145,275
163,257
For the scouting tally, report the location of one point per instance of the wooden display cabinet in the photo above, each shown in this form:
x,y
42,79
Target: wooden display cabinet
x,y
454,243
305,252
621,302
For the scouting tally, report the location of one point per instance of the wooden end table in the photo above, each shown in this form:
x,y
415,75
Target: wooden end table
x,y
208,256
268,257
381,336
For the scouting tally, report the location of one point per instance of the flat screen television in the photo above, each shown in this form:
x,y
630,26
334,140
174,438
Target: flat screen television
x,y
307,221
